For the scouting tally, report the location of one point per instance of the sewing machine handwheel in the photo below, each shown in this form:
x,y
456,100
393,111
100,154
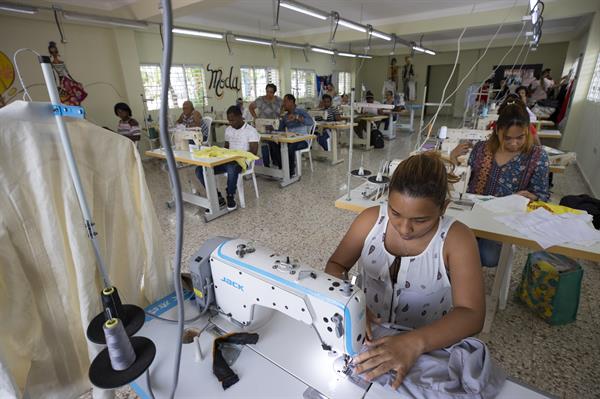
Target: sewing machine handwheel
x,y
133,320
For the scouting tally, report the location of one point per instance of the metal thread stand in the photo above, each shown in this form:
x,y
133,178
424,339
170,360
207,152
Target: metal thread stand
x,y
72,166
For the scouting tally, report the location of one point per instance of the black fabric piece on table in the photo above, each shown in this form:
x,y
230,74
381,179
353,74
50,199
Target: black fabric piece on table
x,y
221,369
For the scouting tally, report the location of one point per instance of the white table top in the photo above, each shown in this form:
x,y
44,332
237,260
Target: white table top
x,y
286,360
189,158
483,224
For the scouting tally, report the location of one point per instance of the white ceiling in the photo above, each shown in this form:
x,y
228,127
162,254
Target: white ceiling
x,y
566,26
107,5
256,16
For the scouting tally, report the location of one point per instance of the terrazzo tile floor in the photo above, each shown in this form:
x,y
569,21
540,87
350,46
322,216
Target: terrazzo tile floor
x,y
302,221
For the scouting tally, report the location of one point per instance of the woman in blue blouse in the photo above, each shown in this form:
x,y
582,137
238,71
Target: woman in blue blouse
x,y
507,163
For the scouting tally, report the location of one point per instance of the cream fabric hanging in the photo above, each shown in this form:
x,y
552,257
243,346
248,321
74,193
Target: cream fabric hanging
x,y
49,284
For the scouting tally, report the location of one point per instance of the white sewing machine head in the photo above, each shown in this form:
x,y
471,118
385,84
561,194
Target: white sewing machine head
x,y
263,125
245,279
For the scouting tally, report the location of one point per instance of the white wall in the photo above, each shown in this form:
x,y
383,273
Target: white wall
x,y
374,71
582,131
90,56
106,61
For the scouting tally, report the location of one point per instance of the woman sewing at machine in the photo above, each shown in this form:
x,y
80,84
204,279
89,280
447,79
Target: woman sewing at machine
x,y
127,126
408,253
507,163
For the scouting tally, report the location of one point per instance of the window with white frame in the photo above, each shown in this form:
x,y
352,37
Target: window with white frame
x,y
255,80
303,84
187,83
594,92
344,83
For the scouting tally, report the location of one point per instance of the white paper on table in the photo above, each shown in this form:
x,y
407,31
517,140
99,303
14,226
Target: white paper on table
x,y
548,229
510,203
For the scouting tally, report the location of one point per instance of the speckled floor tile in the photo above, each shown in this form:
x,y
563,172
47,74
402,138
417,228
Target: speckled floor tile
x,y
301,221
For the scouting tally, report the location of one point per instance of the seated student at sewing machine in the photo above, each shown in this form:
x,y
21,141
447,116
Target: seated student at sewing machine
x,y
508,162
391,100
128,126
515,99
420,269
333,115
238,136
295,120
192,118
362,123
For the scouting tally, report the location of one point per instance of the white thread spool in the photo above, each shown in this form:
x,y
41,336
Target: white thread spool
x,y
443,132
120,351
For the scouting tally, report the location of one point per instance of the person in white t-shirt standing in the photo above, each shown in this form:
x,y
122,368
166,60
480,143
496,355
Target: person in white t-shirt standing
x,y
238,136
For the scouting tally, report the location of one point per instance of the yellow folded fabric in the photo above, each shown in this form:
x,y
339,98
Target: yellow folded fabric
x,y
557,209
218,152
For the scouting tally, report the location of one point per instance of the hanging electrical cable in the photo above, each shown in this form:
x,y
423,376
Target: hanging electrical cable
x,y
475,64
58,24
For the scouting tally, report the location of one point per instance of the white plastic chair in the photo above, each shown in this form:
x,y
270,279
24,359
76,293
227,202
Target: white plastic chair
x,y
307,150
240,184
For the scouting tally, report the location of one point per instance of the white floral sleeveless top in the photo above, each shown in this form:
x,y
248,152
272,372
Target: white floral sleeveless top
x,y
422,293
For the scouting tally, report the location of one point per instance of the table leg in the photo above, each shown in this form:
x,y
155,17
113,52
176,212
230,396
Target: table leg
x,y
505,287
211,195
285,167
334,147
368,136
492,300
412,120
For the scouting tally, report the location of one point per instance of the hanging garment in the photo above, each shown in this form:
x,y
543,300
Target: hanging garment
x,y
49,283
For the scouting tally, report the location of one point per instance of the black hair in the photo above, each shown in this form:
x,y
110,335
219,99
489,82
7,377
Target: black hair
x,y
370,94
272,86
325,96
234,110
422,176
522,88
290,97
389,92
52,45
512,112
122,107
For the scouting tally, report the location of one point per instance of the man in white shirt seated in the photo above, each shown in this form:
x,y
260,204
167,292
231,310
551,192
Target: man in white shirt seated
x,y
238,136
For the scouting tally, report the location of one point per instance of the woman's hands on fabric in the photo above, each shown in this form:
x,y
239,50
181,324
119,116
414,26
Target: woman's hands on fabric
x,y
459,150
394,353
528,195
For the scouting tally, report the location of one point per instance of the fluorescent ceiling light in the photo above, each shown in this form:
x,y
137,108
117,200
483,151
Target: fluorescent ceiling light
x,y
290,45
364,56
321,50
192,32
252,40
381,35
423,50
126,23
347,55
290,5
18,8
352,25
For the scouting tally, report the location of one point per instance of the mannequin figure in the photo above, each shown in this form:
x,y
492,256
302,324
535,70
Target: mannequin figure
x,y
408,80
71,91
393,73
